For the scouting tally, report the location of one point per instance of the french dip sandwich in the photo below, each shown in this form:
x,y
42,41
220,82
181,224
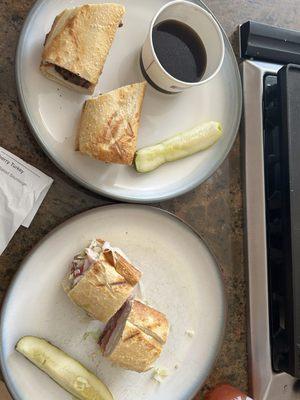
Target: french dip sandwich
x,y
101,279
77,46
135,336
109,124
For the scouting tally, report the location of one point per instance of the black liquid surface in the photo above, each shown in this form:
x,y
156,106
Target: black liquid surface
x,y
179,50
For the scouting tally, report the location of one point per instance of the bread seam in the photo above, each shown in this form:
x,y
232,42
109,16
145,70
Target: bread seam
x,y
148,332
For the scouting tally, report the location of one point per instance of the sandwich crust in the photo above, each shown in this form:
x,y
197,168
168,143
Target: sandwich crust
x,y
136,350
150,321
80,40
134,337
109,124
122,266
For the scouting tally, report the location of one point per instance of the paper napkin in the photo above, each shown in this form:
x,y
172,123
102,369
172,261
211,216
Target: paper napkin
x,y
22,190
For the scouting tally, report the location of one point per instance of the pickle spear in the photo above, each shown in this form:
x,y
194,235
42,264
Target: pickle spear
x,y
179,146
64,370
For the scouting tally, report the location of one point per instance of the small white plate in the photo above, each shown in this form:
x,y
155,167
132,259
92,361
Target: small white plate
x,y
180,278
53,112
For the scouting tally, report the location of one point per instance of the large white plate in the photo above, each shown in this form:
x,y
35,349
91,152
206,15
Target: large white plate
x,y
53,111
180,278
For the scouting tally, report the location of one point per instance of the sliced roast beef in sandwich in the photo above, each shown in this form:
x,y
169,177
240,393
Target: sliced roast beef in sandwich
x,y
135,336
77,46
101,279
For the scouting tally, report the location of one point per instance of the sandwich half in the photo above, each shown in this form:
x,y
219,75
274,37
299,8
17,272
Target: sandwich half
x,y
109,124
76,48
135,336
101,279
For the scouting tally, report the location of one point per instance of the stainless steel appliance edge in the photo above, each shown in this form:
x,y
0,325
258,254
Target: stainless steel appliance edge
x,y
265,384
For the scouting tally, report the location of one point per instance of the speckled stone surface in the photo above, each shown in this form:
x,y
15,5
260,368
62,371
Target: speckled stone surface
x,y
214,209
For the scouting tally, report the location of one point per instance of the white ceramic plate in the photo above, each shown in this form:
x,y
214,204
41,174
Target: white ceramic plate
x,y
180,278
53,111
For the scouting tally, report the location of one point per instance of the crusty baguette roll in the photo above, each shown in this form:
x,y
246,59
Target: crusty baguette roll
x,y
101,280
134,337
109,124
76,48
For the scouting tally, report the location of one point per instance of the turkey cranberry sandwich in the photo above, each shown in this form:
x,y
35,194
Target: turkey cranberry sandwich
x,y
135,336
101,279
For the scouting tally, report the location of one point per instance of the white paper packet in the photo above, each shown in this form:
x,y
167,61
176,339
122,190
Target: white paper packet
x,y
22,190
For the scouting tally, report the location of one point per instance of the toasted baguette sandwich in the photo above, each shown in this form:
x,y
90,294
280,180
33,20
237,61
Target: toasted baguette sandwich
x,y
109,124
76,48
100,280
135,336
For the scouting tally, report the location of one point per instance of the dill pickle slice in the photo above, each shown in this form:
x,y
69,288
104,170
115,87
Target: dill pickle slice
x,y
64,370
179,146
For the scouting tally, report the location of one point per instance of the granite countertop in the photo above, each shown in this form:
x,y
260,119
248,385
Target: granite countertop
x,y
214,209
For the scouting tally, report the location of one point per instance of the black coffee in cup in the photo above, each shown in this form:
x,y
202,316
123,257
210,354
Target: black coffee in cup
x,y
179,50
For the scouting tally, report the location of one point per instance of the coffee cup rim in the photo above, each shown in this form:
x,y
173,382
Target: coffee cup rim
x,y
218,29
